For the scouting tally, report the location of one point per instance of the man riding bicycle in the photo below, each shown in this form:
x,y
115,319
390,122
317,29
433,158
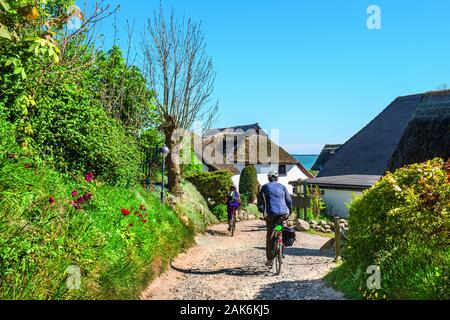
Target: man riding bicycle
x,y
233,203
275,203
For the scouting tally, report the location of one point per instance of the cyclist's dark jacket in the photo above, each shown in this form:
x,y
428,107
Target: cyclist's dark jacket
x,y
274,199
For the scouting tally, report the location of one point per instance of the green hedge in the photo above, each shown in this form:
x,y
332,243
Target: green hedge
x,y
248,183
402,225
213,186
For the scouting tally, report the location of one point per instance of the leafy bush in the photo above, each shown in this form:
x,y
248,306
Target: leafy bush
x,y
244,199
213,186
80,107
402,225
248,183
76,134
220,211
252,209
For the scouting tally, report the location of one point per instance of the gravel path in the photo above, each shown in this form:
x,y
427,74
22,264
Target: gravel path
x,y
224,268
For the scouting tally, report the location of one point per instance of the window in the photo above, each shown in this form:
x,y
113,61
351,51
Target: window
x,y
282,169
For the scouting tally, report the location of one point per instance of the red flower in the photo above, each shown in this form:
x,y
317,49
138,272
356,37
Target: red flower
x,y
142,208
27,166
51,200
89,177
87,196
125,212
144,221
131,225
74,193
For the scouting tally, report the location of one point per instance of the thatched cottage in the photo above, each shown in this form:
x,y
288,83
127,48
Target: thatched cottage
x,y
236,147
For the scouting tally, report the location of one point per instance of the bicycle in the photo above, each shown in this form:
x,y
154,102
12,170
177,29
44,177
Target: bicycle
x,y
277,237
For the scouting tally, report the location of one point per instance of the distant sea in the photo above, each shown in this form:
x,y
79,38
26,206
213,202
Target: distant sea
x,y
307,160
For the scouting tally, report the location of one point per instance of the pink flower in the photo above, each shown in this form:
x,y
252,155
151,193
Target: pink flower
x,y
74,193
51,200
89,177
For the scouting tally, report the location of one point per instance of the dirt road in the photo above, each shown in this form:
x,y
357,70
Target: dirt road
x,y
225,268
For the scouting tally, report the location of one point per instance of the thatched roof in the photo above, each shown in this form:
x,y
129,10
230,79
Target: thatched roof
x,y
244,145
328,151
428,133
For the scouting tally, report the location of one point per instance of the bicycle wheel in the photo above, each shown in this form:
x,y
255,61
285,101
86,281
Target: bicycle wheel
x,y
233,226
278,259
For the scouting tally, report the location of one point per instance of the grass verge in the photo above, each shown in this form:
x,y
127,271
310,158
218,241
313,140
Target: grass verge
x,y
52,225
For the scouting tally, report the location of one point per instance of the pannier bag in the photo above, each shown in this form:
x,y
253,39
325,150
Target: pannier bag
x,y
288,237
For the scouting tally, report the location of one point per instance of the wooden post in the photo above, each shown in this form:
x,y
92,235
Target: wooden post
x,y
337,242
305,193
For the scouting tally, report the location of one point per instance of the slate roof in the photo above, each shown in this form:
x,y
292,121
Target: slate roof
x,y
328,151
370,150
352,182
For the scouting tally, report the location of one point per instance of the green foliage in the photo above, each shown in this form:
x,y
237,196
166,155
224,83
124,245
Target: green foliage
x,y
192,168
402,225
118,255
213,186
82,111
123,91
248,183
220,211
73,130
317,205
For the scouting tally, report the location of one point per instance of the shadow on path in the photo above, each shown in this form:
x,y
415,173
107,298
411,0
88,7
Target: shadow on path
x,y
238,272
218,233
304,252
254,229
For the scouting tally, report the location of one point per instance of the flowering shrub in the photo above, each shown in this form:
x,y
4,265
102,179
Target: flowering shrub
x,y
402,225
142,215
88,188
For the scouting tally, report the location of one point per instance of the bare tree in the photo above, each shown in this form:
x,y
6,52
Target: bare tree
x,y
182,75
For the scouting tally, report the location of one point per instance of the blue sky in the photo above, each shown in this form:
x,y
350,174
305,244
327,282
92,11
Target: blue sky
x,y
310,68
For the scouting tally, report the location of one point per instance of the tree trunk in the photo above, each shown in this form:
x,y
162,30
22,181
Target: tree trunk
x,y
172,164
